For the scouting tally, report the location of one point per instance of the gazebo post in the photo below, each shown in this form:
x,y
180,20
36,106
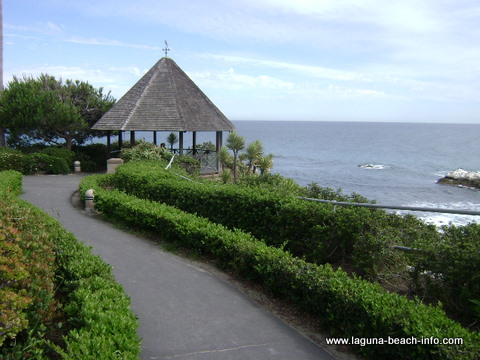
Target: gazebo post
x,y
194,147
120,140
180,142
132,138
109,133
219,144
155,138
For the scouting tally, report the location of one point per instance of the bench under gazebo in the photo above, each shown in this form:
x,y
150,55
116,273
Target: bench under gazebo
x,y
165,99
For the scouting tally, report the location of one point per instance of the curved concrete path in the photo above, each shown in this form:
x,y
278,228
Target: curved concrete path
x,y
184,312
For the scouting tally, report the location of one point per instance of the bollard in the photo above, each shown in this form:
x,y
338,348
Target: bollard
x,y
76,166
89,204
112,164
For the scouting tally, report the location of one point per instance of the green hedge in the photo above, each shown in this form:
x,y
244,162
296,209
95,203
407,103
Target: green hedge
x,y
32,163
320,233
358,239
345,306
44,273
10,182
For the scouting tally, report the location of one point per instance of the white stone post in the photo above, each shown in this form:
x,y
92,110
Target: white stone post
x,y
76,166
112,164
89,200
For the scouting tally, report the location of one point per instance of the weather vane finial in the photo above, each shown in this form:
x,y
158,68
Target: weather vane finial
x,y
166,49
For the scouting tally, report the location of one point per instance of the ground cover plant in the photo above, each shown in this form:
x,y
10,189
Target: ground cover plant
x,y
57,299
346,305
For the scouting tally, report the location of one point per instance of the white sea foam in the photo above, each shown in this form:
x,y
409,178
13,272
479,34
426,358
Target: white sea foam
x,y
440,219
373,166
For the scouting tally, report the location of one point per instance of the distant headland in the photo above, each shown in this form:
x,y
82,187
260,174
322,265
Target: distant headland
x,y
463,178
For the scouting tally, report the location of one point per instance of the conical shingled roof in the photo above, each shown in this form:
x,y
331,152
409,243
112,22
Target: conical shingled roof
x,y
164,99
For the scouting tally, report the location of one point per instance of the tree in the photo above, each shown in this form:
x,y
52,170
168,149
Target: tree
x,y
172,139
265,163
253,154
48,110
235,143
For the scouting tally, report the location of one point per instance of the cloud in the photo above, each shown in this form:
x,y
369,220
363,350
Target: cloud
x,y
43,28
110,42
306,70
232,80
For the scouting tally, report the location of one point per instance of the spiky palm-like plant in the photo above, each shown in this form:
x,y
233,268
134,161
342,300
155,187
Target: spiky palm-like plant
x,y
266,163
235,143
253,152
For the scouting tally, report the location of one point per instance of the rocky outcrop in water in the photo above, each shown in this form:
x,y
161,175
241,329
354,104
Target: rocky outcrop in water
x,y
462,178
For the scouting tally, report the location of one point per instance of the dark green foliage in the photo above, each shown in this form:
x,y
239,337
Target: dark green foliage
x,y
360,240
12,160
65,154
32,163
346,306
49,265
93,157
50,110
450,269
313,190
46,164
273,182
308,230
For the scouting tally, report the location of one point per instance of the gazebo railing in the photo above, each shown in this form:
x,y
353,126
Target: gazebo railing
x,y
208,159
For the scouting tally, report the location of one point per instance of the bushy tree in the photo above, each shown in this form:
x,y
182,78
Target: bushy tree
x,y
172,139
50,110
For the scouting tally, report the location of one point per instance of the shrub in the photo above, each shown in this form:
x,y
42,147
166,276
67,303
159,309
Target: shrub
x,y
92,157
42,264
43,163
27,270
317,232
11,160
360,240
189,164
145,151
450,270
32,163
346,306
63,153
10,182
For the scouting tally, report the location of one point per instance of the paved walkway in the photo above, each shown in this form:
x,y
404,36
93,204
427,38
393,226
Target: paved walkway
x,y
184,312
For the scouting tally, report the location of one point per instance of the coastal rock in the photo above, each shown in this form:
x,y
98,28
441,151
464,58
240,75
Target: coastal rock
x,y
463,178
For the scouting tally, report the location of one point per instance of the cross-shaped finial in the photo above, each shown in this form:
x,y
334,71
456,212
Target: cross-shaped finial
x,y
166,49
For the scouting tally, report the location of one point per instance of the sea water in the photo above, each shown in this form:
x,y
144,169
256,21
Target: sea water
x,y
392,163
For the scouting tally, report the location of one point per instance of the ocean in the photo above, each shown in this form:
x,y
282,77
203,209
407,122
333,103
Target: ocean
x,y
392,163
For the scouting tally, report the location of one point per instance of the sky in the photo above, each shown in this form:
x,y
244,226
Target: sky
x,y
322,60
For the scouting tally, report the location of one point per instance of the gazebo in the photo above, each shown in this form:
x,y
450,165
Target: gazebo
x,y
165,99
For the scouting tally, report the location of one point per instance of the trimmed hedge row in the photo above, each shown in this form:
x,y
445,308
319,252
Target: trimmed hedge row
x,y
358,239
317,232
50,261
32,163
345,306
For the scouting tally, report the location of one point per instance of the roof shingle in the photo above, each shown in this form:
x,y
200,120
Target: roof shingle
x,y
164,99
